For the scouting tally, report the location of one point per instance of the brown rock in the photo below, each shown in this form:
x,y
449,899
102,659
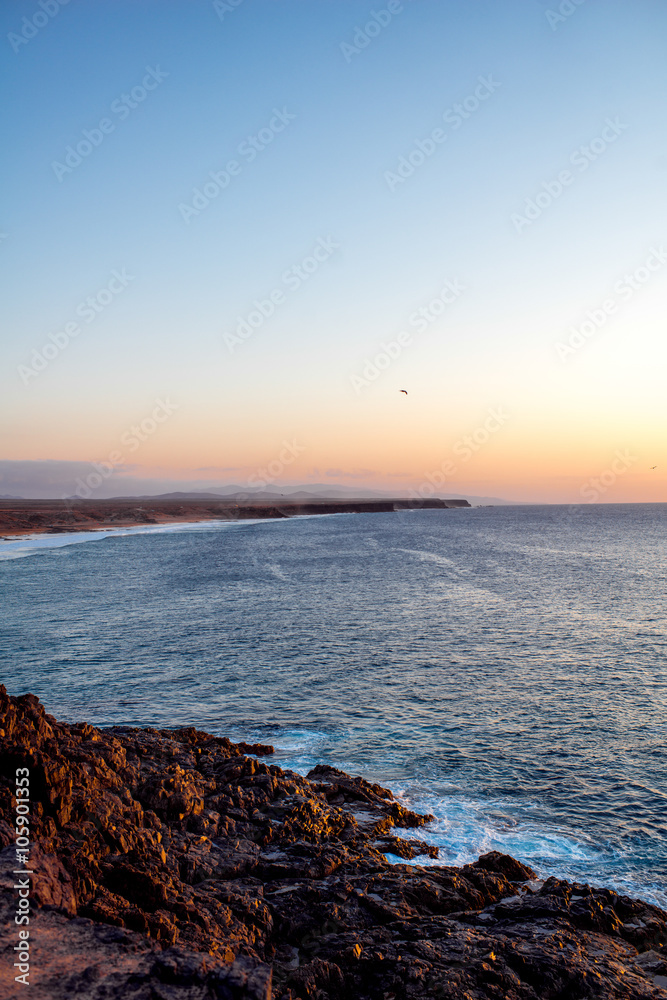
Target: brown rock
x,y
169,864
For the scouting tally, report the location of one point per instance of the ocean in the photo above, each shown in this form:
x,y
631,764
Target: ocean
x,y
501,667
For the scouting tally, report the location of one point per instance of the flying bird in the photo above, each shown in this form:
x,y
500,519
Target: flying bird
x,y
654,467
403,390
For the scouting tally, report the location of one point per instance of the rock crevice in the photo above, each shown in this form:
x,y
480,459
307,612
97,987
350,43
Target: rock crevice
x,y
175,864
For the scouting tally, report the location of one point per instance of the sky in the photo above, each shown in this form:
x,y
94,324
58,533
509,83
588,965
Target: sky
x,y
234,231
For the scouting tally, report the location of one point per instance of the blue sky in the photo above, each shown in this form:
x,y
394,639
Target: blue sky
x,y
223,74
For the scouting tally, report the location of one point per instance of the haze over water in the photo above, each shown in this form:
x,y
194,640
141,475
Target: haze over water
x,y
503,668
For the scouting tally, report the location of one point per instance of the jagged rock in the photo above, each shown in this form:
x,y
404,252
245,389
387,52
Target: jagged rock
x,y
174,864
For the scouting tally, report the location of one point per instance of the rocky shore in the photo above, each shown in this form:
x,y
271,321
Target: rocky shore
x,y
175,865
35,516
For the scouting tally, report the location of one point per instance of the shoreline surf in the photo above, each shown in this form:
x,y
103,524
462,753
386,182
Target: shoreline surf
x,y
181,840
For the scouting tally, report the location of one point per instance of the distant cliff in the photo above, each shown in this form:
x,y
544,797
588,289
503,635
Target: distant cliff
x,y
23,516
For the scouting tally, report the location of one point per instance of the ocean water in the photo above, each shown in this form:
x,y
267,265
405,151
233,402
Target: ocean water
x,y
503,668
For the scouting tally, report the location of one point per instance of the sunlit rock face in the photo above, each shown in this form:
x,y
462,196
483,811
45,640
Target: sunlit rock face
x,y
178,864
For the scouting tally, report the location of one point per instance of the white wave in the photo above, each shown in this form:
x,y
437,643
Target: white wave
x,y
463,829
431,557
18,546
297,750
274,570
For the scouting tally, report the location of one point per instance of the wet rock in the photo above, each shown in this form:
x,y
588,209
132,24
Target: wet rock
x,y
171,864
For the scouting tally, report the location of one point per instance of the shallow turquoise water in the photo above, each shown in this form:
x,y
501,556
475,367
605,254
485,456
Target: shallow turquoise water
x,y
503,668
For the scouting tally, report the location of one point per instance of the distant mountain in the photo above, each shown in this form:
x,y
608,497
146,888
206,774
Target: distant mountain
x,y
333,490
315,491
201,495
8,496
195,495
300,491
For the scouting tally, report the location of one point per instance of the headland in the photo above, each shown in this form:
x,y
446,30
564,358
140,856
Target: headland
x,y
177,864
19,517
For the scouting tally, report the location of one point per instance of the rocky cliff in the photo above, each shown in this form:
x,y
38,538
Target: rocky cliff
x,y
30,516
179,865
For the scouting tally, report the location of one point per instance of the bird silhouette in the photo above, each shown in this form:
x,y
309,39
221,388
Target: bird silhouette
x,y
654,467
403,390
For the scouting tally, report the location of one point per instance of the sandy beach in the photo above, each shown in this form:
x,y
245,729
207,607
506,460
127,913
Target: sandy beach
x,y
23,517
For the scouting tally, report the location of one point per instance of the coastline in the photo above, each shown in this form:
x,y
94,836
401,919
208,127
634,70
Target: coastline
x,y
23,517
172,861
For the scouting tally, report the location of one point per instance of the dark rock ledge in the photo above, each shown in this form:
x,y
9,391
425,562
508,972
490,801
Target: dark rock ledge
x,y
171,865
